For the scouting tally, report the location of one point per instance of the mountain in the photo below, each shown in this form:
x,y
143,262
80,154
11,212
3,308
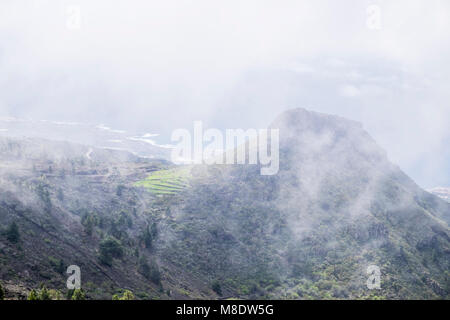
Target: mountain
x,y
336,207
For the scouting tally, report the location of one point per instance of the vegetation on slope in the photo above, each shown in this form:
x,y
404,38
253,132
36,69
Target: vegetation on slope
x,y
308,232
168,181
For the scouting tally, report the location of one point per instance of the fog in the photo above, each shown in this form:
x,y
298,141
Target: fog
x,y
153,66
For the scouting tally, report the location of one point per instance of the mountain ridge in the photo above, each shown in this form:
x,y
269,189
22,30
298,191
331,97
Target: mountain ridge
x,y
336,206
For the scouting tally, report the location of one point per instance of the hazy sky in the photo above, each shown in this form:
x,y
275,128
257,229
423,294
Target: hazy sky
x,y
154,66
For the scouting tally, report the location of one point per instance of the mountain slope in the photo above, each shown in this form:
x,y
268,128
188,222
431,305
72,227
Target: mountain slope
x,y
336,206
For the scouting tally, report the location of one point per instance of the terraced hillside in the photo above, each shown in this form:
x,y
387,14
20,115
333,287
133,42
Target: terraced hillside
x,y
168,181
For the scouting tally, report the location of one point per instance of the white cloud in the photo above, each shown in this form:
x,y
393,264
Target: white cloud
x,y
349,91
159,65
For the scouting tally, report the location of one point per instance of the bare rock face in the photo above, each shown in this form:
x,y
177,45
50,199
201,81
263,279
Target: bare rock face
x,y
15,291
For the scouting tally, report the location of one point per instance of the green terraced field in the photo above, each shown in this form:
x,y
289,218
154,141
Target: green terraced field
x,y
167,182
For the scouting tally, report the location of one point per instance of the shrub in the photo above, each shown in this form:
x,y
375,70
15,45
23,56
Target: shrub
x,y
125,220
150,271
110,248
44,294
127,295
55,294
119,190
33,295
57,264
89,220
105,258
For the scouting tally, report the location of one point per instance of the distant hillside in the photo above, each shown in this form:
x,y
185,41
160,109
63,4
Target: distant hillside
x,y
99,136
336,206
443,193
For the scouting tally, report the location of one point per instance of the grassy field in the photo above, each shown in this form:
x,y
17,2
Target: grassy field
x,y
167,182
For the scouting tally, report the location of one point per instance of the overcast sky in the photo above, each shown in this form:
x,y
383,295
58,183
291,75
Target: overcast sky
x,y
154,66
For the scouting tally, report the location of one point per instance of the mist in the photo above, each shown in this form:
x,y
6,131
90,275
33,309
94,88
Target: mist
x,y
148,66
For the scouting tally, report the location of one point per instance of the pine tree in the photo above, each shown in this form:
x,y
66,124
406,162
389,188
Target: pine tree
x,y
44,195
60,268
2,293
154,230
12,233
147,238
55,294
127,295
78,294
60,195
33,295
216,287
155,274
144,267
44,294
